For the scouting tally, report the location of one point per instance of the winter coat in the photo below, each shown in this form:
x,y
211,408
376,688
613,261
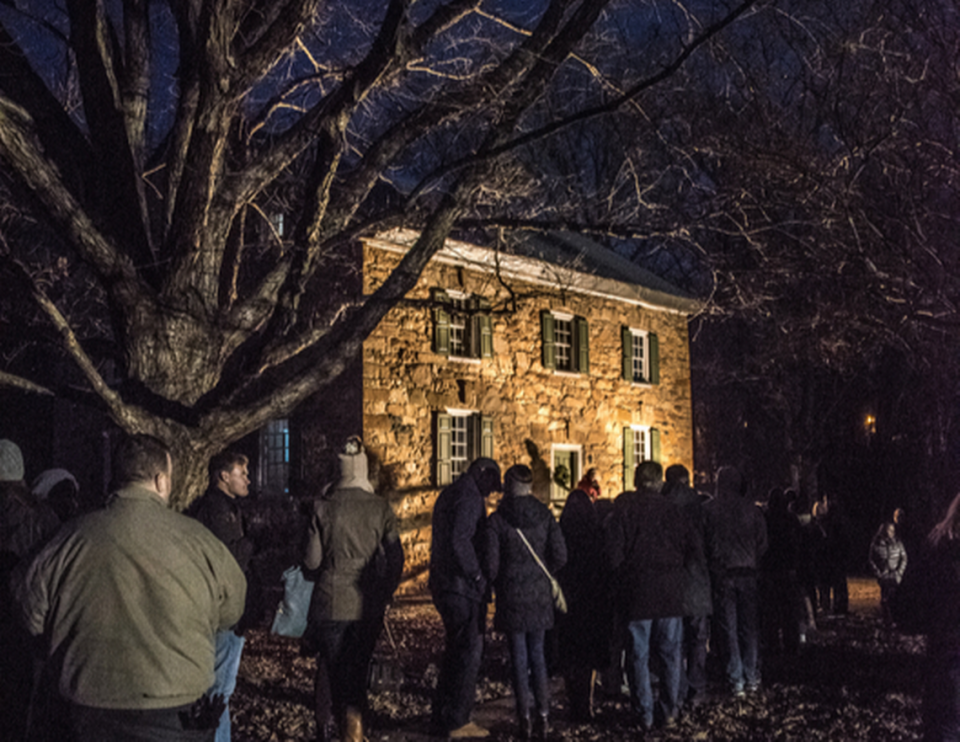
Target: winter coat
x,y
353,555
736,535
128,599
586,628
25,522
523,595
459,520
784,536
697,599
888,559
223,515
649,545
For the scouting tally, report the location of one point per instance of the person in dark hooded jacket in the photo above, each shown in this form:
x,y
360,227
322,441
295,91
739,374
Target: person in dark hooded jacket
x,y
523,593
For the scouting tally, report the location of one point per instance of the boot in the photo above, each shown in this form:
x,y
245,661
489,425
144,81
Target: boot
x,y
352,725
541,727
525,727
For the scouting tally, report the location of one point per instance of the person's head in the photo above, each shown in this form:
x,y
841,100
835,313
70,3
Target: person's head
x,y
59,488
648,476
899,515
144,460
677,474
354,471
229,473
486,473
518,481
890,530
11,462
729,482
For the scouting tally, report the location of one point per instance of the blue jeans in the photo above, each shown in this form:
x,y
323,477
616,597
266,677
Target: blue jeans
x,y
464,623
738,621
225,668
664,636
529,663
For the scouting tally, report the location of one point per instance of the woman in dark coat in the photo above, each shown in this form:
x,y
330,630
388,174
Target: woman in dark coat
x,y
586,628
524,598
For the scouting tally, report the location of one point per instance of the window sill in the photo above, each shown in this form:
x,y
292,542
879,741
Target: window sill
x,y
574,374
465,359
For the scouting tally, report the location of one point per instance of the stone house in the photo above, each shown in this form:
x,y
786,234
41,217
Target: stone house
x,y
560,355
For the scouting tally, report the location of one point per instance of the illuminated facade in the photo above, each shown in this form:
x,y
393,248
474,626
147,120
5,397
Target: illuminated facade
x,y
581,370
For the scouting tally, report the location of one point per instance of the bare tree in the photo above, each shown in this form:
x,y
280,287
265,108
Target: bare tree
x,y
144,144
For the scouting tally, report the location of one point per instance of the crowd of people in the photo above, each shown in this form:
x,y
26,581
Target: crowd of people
x,y
127,623
662,584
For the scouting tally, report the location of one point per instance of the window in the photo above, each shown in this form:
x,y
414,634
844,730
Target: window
x,y
277,223
566,468
640,443
641,356
274,467
460,437
566,345
461,325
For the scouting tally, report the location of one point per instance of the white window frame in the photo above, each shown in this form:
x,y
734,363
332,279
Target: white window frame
x,y
645,447
641,339
557,495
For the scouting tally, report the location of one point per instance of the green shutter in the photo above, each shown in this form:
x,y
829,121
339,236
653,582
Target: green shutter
x,y
442,449
627,339
583,345
549,352
485,326
441,323
628,463
653,346
655,445
486,437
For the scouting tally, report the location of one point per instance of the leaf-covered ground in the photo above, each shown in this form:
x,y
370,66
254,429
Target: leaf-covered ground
x,y
854,680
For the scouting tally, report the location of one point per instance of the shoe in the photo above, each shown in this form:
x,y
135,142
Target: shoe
x,y
524,727
738,691
541,727
753,687
470,730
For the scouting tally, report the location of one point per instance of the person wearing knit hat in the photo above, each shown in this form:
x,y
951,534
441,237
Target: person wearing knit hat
x,y
60,490
355,559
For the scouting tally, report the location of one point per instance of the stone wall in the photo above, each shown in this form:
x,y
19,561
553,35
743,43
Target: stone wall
x,y
405,383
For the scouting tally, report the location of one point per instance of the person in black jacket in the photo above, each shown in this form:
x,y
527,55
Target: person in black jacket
x,y
698,603
220,511
524,597
459,589
649,544
586,628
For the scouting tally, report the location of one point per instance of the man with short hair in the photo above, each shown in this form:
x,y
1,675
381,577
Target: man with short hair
x,y
128,599
219,510
459,590
649,543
